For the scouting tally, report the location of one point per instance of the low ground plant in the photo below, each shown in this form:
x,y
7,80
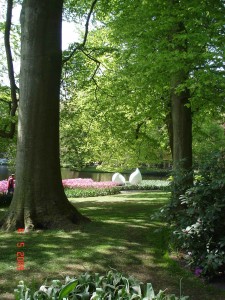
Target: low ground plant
x,y
94,286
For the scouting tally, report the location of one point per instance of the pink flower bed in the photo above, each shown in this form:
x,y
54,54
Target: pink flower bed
x,y
87,183
3,186
73,183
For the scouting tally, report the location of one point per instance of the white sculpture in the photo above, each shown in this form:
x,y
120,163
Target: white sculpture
x,y
118,178
135,177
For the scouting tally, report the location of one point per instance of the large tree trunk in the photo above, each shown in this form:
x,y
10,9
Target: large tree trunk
x,y
39,200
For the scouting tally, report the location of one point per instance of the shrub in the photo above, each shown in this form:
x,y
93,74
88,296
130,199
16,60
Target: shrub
x,y
200,226
5,199
95,287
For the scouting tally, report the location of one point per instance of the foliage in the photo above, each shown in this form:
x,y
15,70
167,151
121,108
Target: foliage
x,y
116,112
7,146
5,199
208,136
199,227
94,286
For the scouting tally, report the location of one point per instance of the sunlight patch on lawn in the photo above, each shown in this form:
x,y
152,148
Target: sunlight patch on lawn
x,y
143,225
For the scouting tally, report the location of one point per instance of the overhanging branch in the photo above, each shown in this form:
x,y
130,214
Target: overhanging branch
x,y
95,60
81,46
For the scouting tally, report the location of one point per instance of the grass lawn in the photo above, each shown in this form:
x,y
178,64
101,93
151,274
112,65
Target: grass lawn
x,y
121,236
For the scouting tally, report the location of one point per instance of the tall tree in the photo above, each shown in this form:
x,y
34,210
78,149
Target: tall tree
x,y
174,51
39,200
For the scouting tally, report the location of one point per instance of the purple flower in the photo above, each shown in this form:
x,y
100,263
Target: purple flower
x,y
198,272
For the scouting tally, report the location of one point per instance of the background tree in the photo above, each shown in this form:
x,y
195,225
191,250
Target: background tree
x,y
119,121
9,130
172,62
7,145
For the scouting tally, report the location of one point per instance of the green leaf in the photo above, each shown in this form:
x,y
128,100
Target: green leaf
x,y
67,289
150,295
84,296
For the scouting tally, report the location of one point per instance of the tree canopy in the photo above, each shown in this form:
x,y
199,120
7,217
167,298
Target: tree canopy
x,y
138,55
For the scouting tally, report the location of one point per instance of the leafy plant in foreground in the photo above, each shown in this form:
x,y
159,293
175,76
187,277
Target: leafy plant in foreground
x,y
94,286
199,227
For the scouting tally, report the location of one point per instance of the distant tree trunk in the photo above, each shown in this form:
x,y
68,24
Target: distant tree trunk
x,y
169,125
181,116
182,134
182,126
39,200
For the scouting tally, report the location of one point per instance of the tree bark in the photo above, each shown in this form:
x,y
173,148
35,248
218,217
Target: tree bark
x,y
39,201
182,125
169,125
182,135
181,117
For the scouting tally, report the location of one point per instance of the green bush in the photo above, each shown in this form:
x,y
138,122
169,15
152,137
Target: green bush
x,y
5,199
95,287
200,226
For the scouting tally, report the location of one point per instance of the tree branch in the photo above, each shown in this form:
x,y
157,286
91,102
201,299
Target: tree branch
x,y
95,60
81,46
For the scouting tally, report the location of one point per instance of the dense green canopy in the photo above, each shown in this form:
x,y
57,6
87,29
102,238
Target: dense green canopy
x,y
120,83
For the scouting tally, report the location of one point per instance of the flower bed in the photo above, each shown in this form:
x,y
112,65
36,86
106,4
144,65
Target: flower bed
x,y
3,186
86,187
147,185
84,183
5,199
73,183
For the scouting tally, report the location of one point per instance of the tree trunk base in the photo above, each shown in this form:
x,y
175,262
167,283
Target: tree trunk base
x,y
55,220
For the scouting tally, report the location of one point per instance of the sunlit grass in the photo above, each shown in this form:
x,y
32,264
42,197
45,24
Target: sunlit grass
x,y
121,236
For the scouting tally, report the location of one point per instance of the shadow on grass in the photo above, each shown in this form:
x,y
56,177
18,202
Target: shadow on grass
x,y
121,236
